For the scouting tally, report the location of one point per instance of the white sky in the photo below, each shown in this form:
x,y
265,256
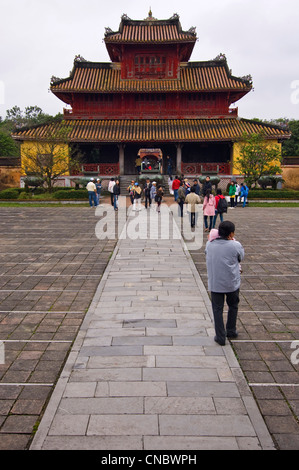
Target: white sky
x,y
40,38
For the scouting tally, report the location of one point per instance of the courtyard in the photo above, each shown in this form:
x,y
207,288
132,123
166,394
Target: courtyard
x,y
51,263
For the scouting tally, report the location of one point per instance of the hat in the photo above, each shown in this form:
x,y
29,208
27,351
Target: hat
x,y
136,184
154,182
91,179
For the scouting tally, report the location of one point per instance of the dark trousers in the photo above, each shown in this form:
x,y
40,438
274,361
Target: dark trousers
x,y
181,204
148,201
232,300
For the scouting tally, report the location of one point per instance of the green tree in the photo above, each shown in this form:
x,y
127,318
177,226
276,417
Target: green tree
x,y
8,148
290,147
257,158
48,159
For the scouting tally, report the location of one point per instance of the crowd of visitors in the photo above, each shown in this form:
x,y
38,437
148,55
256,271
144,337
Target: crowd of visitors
x,y
185,194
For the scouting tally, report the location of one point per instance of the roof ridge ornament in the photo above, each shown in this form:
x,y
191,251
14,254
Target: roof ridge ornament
x,y
79,58
150,16
220,57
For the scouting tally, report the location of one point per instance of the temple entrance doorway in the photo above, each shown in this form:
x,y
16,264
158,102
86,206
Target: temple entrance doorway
x,y
151,160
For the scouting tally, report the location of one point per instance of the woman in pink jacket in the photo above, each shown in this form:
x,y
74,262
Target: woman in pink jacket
x,y
208,210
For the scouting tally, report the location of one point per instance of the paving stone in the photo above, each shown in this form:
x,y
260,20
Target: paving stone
x,y
186,374
202,389
123,425
130,443
179,405
190,443
113,374
211,425
100,406
80,390
137,389
66,425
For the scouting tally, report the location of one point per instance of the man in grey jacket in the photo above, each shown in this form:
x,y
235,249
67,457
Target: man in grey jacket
x,y
223,256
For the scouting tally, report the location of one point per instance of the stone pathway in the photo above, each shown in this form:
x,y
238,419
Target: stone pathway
x,y
144,372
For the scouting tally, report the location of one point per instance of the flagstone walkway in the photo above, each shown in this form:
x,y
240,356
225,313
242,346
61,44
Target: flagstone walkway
x,y
144,372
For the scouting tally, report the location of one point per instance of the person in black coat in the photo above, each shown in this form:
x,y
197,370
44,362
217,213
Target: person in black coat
x,y
206,186
147,193
116,193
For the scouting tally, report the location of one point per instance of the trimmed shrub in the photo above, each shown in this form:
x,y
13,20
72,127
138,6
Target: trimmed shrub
x,y
10,193
272,194
71,194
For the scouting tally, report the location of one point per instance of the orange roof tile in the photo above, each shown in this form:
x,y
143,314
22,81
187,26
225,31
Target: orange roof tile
x,y
172,130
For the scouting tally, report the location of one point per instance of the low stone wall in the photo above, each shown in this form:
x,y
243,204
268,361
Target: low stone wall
x,y
10,177
290,174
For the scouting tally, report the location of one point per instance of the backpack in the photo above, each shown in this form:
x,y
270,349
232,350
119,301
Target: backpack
x,y
222,205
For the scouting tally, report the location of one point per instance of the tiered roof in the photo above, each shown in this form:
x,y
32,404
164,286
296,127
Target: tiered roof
x,y
169,130
151,31
91,77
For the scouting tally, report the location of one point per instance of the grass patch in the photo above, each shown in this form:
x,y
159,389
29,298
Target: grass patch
x,y
273,204
41,204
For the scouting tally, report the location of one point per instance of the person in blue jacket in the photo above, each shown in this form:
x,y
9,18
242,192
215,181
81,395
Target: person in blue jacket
x,y
244,193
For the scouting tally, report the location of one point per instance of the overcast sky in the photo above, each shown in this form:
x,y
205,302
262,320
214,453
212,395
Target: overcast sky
x,y
40,38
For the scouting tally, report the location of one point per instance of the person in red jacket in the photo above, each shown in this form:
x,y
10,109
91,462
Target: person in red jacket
x,y
222,206
175,187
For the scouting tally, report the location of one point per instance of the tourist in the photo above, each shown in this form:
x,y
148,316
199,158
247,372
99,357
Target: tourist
x,y
181,197
92,193
192,200
153,191
110,189
187,186
130,188
116,193
237,193
138,162
175,187
208,209
169,165
196,187
220,206
231,193
223,256
147,193
171,192
244,193
137,197
207,186
99,188
158,198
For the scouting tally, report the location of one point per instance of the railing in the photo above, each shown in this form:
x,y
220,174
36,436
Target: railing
x,y
102,169
67,112
233,111
205,168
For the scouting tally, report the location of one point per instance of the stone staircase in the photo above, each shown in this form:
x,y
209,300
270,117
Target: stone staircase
x,y
125,181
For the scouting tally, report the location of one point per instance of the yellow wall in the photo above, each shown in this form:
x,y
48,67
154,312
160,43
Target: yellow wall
x,y
60,151
236,153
